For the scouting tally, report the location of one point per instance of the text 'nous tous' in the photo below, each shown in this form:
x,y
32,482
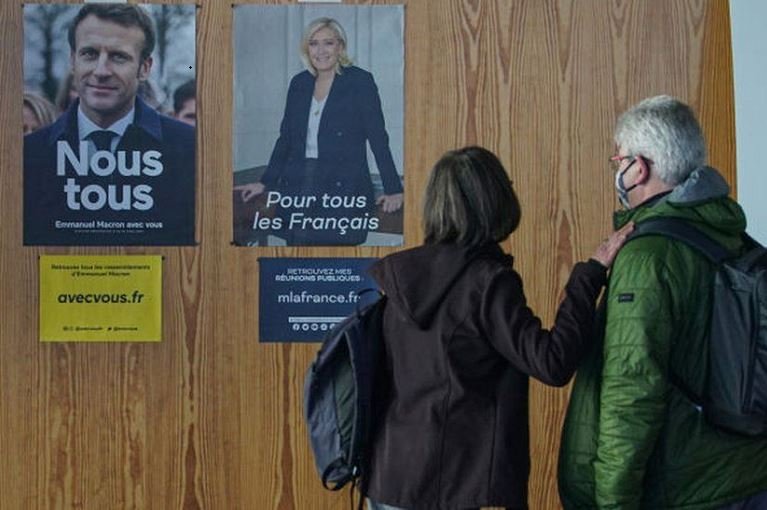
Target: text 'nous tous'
x,y
94,197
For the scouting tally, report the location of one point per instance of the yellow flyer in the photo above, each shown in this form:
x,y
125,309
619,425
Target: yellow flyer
x,y
100,298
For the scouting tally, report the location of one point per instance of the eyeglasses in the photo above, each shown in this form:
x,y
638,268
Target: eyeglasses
x,y
617,161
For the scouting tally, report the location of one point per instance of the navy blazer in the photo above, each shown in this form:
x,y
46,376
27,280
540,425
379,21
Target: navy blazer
x,y
49,219
352,116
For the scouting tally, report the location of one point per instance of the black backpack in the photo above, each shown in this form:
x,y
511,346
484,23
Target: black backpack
x,y
735,397
338,396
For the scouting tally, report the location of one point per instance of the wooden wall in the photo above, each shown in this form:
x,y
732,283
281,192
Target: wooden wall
x,y
211,419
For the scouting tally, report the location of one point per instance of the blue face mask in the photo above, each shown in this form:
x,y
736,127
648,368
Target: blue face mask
x,y
621,189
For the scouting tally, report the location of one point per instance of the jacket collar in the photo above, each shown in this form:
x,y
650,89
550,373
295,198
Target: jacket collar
x,y
704,184
147,119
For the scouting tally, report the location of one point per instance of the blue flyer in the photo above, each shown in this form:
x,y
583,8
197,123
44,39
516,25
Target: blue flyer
x,y
301,299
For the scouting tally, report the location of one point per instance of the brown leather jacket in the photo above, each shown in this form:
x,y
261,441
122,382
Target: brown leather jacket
x,y
460,344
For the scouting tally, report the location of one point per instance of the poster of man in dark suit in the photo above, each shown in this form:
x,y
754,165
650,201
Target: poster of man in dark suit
x,y
318,135
112,169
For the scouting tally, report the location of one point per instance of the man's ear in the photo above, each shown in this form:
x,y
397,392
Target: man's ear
x,y
644,167
72,61
144,68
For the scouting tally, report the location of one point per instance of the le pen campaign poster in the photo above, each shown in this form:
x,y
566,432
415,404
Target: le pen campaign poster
x,y
302,299
109,112
318,125
100,298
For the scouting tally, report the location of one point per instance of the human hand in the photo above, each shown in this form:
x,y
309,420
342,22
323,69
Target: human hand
x,y
390,203
248,191
610,247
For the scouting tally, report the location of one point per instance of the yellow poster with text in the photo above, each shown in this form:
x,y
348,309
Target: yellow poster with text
x,y
100,298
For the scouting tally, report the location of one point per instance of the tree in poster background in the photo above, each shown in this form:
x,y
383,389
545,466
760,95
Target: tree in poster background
x,y
46,22
169,21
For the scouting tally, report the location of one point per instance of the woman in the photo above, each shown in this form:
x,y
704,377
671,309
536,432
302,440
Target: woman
x,y
37,112
460,344
332,111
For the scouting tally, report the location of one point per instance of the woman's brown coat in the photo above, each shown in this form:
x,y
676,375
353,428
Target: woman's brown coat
x,y
460,344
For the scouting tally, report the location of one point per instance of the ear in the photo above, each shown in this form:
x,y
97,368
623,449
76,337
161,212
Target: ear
x,y
72,61
144,68
644,169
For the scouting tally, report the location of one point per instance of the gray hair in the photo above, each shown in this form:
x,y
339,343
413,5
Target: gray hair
x,y
340,33
665,131
469,200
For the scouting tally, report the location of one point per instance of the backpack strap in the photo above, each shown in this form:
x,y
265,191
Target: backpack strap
x,y
681,230
753,254
338,484
360,301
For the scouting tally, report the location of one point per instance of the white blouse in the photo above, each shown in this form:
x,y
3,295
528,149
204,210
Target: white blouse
x,y
313,128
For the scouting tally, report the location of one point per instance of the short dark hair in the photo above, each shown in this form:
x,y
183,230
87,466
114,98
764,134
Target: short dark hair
x,y
184,93
124,15
469,200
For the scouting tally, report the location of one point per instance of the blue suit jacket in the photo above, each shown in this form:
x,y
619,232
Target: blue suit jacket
x,y
352,116
52,217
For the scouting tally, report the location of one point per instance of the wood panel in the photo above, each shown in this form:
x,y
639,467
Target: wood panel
x,y
209,418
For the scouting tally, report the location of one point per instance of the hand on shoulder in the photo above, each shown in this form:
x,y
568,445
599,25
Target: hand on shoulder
x,y
606,252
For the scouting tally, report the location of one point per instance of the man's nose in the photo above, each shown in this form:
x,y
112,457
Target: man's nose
x,y
102,65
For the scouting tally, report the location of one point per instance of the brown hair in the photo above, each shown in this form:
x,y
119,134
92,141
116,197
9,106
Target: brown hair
x,y
121,14
469,200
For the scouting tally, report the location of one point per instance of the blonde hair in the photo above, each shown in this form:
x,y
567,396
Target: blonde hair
x,y
43,109
338,30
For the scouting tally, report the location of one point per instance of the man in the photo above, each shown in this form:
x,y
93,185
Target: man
x,y
632,439
110,170
185,103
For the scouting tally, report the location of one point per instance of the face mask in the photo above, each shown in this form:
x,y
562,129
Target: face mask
x,y
621,189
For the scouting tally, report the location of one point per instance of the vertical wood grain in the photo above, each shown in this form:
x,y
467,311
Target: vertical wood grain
x,y
211,419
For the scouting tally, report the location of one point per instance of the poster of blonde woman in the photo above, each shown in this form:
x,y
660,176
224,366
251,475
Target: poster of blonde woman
x,y
318,125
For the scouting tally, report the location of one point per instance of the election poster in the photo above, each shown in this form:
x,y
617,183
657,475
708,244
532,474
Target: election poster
x,y
109,113
100,298
301,299
318,139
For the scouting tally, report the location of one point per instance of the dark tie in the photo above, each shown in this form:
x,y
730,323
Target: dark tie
x,y
102,139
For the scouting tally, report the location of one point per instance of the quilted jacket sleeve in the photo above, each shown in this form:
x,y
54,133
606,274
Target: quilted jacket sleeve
x,y
634,385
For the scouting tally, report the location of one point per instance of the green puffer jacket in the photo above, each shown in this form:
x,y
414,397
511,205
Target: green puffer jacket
x,y
631,439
